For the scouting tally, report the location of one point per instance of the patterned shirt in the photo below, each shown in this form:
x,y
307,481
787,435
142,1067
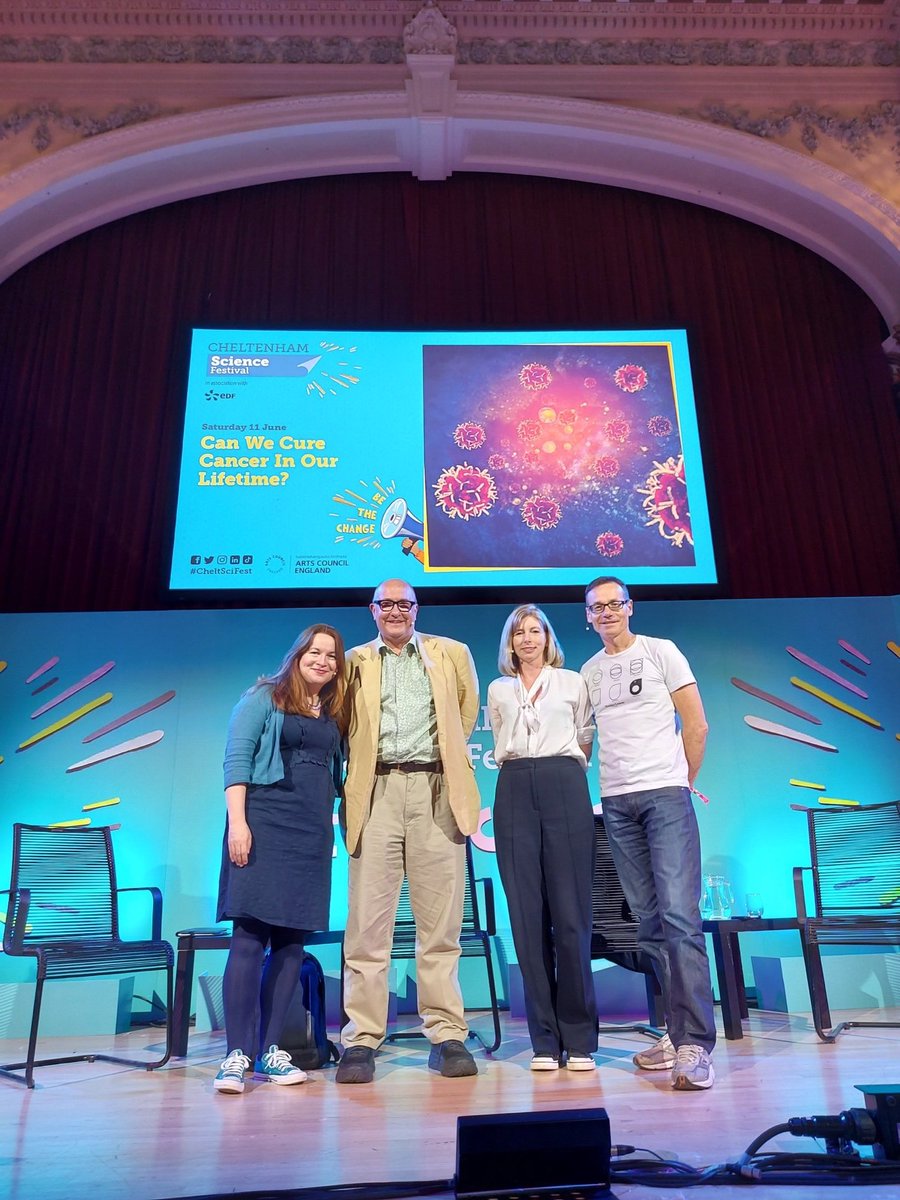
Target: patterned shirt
x,y
631,694
408,731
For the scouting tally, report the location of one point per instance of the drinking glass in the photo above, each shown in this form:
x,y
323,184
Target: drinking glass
x,y
754,902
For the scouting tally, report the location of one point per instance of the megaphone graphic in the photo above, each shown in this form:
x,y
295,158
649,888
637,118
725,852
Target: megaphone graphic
x,y
398,521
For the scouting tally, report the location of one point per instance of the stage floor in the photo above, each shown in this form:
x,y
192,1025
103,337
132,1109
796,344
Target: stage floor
x,y
106,1132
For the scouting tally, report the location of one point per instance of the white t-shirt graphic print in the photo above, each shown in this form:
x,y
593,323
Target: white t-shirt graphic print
x,y
630,694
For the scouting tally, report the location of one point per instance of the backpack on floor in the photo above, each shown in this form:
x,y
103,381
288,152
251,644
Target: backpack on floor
x,y
305,1036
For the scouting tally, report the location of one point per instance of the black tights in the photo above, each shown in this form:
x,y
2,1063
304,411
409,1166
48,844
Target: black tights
x,y
254,1014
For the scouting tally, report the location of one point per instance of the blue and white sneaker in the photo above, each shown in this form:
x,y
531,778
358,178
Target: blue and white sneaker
x,y
231,1073
693,1070
277,1067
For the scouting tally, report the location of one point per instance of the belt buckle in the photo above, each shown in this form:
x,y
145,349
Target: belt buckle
x,y
407,768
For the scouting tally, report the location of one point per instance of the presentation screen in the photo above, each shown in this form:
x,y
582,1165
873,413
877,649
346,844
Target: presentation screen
x,y
335,458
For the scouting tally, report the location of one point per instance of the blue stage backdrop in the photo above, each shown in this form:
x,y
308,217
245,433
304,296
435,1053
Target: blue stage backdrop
x,y
127,711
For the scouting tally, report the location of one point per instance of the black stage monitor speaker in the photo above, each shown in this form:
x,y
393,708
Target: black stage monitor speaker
x,y
525,1154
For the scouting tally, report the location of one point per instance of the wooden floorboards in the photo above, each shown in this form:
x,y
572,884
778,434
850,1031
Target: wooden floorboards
x,y
105,1132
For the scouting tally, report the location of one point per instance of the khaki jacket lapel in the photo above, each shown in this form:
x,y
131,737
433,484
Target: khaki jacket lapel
x,y
370,680
432,658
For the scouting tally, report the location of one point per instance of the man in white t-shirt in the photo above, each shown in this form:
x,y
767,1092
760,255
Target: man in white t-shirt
x,y
637,685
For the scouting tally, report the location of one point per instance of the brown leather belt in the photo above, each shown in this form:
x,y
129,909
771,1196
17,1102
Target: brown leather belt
x,y
385,768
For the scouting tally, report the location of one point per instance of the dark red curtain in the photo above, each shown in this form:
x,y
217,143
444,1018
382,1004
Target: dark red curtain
x,y
798,429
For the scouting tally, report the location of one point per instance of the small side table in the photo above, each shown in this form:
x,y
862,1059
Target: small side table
x,y
729,968
217,938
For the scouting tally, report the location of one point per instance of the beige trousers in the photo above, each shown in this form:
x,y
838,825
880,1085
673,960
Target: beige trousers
x,y
411,827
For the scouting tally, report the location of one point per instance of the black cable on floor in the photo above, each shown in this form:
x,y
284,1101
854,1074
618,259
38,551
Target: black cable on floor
x,y
401,1190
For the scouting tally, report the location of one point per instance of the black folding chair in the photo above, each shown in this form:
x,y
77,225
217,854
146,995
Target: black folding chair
x,y
63,911
614,934
474,940
855,866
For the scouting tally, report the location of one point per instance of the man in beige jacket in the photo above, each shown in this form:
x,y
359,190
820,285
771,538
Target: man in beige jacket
x,y
410,800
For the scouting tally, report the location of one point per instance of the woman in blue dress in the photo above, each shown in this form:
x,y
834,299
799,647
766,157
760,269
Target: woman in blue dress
x,y
282,770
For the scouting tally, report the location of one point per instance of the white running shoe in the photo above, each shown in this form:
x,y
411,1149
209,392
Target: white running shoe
x,y
693,1069
658,1057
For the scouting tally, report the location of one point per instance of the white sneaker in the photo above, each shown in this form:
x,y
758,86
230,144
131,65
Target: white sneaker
x,y
693,1069
580,1062
277,1067
658,1057
230,1077
544,1062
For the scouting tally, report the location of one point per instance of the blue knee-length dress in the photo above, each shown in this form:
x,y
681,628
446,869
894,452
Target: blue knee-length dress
x,y
287,880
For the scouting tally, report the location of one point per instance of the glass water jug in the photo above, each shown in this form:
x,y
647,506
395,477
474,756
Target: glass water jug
x,y
716,900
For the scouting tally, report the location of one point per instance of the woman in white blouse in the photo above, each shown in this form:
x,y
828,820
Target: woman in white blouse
x,y
544,832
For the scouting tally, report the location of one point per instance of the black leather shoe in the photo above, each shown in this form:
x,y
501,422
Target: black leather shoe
x,y
452,1059
357,1065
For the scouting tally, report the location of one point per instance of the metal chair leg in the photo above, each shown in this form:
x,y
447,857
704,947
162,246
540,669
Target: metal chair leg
x,y
32,1038
492,988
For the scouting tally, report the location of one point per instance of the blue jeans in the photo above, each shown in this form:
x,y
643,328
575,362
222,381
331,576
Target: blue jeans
x,y
655,845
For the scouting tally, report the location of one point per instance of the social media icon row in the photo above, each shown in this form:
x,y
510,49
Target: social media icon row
x,y
234,560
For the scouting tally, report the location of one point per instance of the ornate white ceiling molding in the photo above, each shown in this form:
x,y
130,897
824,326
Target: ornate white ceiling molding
x,y
858,133
570,18
718,47
487,30
871,131
433,131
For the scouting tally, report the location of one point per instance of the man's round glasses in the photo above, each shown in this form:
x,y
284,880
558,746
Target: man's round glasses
x,y
404,606
613,606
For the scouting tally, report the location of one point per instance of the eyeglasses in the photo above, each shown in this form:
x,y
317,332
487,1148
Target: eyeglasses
x,y
613,605
387,606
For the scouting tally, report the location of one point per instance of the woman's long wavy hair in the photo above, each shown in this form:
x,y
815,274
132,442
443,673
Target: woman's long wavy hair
x,y
289,692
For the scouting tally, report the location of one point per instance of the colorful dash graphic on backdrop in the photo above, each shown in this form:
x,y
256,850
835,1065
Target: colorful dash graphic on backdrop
x,y
101,804
74,689
785,731
827,672
853,650
136,743
132,715
41,670
835,703
65,721
770,699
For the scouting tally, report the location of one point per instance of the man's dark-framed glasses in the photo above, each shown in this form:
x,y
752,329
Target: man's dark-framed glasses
x,y
613,605
403,606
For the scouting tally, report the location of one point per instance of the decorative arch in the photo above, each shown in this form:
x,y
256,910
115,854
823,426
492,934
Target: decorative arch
x,y
432,131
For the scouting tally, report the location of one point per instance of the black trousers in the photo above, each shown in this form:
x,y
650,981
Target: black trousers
x,y
544,835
